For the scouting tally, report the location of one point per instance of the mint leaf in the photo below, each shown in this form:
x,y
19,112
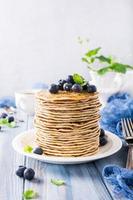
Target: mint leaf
x,y
103,71
118,67
92,59
93,52
3,121
129,67
29,194
78,79
11,124
57,182
84,60
104,59
28,149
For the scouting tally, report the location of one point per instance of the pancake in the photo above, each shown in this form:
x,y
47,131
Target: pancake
x,y
67,123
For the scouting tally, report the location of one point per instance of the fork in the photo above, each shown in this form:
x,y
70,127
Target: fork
x,y
127,129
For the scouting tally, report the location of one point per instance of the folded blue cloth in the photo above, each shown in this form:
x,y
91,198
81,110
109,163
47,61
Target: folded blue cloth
x,y
121,179
119,105
7,102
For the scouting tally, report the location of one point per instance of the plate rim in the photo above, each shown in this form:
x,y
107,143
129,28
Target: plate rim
x,y
66,160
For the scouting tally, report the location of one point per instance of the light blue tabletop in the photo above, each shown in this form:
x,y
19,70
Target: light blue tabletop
x,y
83,182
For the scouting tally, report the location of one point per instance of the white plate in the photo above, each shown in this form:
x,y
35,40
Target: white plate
x,y
27,138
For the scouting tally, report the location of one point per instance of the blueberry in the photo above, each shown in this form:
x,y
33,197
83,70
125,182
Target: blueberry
x,y
91,88
20,166
77,88
29,174
102,133
4,115
103,141
38,150
67,86
53,88
20,171
10,119
85,86
61,83
70,79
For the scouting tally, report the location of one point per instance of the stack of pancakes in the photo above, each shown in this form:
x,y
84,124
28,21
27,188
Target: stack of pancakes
x,y
66,123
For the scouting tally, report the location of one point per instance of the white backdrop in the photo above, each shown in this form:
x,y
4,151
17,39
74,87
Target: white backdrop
x,y
38,38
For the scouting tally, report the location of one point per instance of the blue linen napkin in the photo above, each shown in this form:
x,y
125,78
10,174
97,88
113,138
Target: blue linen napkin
x,y
121,179
7,102
119,105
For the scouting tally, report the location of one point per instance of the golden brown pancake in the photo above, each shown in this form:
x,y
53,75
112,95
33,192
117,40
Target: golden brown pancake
x,y
66,123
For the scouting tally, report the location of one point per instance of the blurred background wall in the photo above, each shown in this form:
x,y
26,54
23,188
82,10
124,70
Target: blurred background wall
x,y
38,38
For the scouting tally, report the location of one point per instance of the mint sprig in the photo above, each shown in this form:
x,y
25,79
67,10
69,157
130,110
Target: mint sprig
x,y
92,52
102,58
11,124
57,182
94,55
78,79
4,122
29,194
28,149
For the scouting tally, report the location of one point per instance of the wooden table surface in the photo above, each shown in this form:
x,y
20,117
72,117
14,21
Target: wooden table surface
x,y
83,182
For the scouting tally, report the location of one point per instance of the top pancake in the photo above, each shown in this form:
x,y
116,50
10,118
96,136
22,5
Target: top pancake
x,y
67,96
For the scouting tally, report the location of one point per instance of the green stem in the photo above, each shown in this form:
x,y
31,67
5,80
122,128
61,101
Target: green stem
x,y
92,69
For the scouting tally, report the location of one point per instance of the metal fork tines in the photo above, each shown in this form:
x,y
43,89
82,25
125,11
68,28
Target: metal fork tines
x,y
127,129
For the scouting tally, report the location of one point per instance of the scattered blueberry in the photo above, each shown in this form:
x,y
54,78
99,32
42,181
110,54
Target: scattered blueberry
x,y
38,150
29,174
102,133
77,88
20,166
4,115
61,83
54,88
91,88
70,79
10,119
20,171
103,141
85,87
67,86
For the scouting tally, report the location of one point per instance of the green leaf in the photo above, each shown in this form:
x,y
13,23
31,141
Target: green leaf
x,y
28,149
78,79
11,124
118,67
29,194
57,182
3,121
115,67
92,60
104,59
84,60
103,71
93,52
129,67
